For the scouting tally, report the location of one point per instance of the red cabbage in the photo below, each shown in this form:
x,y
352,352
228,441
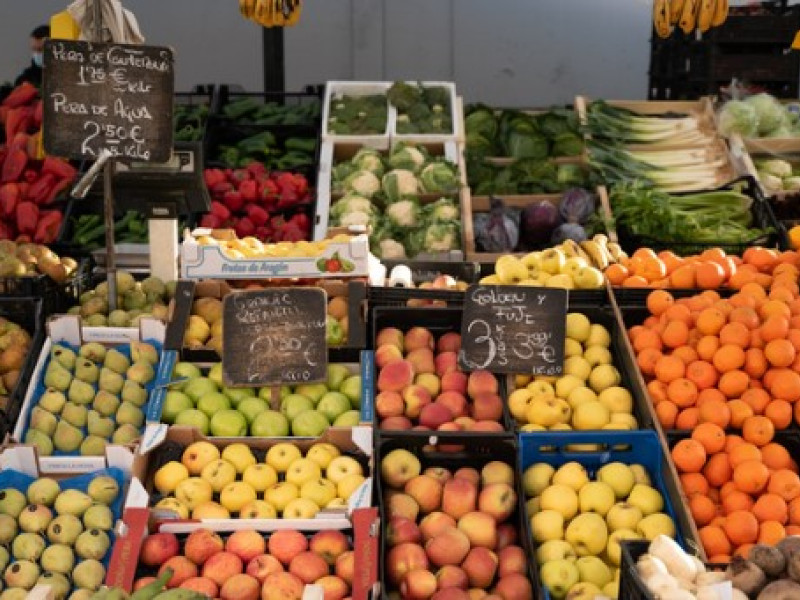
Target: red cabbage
x,y
577,205
539,220
568,231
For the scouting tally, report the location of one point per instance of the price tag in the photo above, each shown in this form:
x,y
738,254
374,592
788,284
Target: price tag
x,y
112,96
274,336
513,329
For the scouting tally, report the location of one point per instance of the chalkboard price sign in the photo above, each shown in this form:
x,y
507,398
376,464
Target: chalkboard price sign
x,y
513,329
274,336
112,96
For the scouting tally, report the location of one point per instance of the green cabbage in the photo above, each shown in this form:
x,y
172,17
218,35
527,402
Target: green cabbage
x,y
399,183
439,177
769,112
736,116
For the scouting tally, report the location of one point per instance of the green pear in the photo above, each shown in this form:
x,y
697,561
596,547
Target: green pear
x,y
98,516
86,370
5,557
98,425
35,518
110,381
28,546
58,582
116,361
64,529
67,438
43,491
57,376
125,283
97,320
41,441
22,574
94,351
64,355
118,318
144,352
8,529
58,558
53,400
72,502
130,414
125,434
134,393
134,299
89,574
75,414
43,420
92,543
103,489
105,403
141,372
93,445
80,392
12,502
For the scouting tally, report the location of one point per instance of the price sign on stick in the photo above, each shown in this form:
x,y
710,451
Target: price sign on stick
x,y
513,329
113,96
274,336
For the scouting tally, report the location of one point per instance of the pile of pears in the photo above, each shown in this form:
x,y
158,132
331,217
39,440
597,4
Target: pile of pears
x,y
92,396
135,299
15,344
54,536
19,260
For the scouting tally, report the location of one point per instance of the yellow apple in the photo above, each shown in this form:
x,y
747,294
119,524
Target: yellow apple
x,y
219,473
617,399
640,473
555,550
342,466
300,508
280,494
581,395
169,476
625,419
236,495
623,516
322,453
197,455
302,470
532,261
654,525
536,478
281,455
603,376
593,570
613,549
562,281
596,496
174,505
589,278
558,576
547,525
533,427
648,499
598,336
551,261
587,533
532,506
260,476
578,326
320,491
611,589
510,270
518,404
572,474
618,476
572,348
349,484
561,498
210,510
258,509
583,590
548,411
194,491
577,366
598,355
591,415
540,387
239,455
566,383
561,427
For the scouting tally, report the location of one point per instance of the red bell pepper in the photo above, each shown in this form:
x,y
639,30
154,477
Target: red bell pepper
x,y
58,167
290,233
257,215
19,142
9,198
244,227
40,189
236,176
210,221
256,168
3,114
27,217
219,210
30,175
21,95
60,186
233,200
302,221
38,113
219,189
249,190
13,166
47,227
212,177
13,119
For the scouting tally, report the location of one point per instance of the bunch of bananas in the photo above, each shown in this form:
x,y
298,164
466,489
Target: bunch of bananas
x,y
688,15
271,13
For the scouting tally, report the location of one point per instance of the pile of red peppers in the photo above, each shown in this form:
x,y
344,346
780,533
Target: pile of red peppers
x,y
28,183
271,206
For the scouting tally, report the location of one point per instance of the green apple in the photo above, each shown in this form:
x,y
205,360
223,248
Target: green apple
x,y
236,395
558,576
250,407
269,423
215,374
315,391
228,423
309,423
351,418
336,375
351,387
193,418
174,403
198,387
294,404
332,405
187,370
212,403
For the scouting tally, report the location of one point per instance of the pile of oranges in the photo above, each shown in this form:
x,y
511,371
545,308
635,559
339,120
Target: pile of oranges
x,y
741,489
710,270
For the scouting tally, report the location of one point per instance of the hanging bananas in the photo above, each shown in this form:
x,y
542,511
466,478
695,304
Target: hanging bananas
x,y
688,15
271,13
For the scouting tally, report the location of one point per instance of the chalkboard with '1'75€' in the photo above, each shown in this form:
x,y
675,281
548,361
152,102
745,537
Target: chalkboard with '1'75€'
x,y
113,96
274,336
513,329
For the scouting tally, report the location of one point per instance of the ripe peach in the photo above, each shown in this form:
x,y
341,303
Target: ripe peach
x,y
395,376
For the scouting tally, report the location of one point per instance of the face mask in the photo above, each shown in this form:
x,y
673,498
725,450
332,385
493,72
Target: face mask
x,y
38,58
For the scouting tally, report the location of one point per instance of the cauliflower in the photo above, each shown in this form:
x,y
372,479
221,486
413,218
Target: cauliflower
x,y
443,210
368,159
404,213
356,218
399,183
792,183
441,237
439,177
776,166
407,157
363,183
351,203
391,250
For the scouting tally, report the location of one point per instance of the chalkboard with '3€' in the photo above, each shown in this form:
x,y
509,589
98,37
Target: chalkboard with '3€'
x,y
274,336
513,329
113,96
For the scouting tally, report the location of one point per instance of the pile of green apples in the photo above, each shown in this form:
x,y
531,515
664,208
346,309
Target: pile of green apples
x,y
307,410
92,396
54,536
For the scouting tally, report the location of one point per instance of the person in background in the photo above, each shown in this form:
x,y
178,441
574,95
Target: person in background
x,y
33,74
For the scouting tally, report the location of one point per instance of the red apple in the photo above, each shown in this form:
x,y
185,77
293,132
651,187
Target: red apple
x,y
390,335
159,548
448,548
286,544
333,587
400,423
449,342
308,566
481,529
459,496
499,500
435,414
201,545
419,584
389,404
282,586
202,585
329,544
446,362
246,544
454,381
514,587
435,523
418,337
480,566
182,569
455,402
511,559
263,566
506,535
345,565
240,587
222,566
401,529
404,558
451,576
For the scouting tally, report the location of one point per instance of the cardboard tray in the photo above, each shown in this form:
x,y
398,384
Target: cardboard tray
x,y
337,89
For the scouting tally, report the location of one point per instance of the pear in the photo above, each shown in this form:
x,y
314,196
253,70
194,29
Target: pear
x,y
80,392
130,414
105,403
35,518
144,352
12,502
89,574
67,438
110,381
86,370
125,434
134,299
141,372
43,491
96,320
154,286
58,582
99,425
125,283
57,377
93,445
94,351
134,393
64,355
53,400
28,546
58,558
41,441
92,543
118,318
116,361
5,557
75,414
72,502
43,420
21,574
103,489
64,529
8,529
98,516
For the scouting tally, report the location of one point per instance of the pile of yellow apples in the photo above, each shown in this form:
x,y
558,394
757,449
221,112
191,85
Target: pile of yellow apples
x,y
250,247
578,523
587,396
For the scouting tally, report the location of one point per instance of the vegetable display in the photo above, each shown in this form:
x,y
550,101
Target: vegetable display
x,y
605,121
421,108
759,116
252,111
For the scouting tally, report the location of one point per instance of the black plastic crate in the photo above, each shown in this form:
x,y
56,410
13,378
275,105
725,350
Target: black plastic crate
x,y
479,452
56,297
423,272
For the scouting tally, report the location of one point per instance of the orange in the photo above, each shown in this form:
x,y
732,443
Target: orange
x,y
695,483
647,358
702,374
775,327
780,413
653,269
679,312
781,292
689,456
744,549
727,488
785,484
687,418
646,338
682,392
713,254
731,441
745,315
659,301
710,321
686,353
794,337
771,507
785,385
718,470
758,430
669,368
774,308
794,511
735,333
702,509
671,260
728,357
616,274
740,278
755,363
755,290
667,413
775,456
707,346
657,390
643,252
683,277
751,476
711,436
733,383
675,334
714,411
780,353
635,281
742,452
770,533
741,527
709,275
792,529
740,410
708,395
764,259
735,501
715,541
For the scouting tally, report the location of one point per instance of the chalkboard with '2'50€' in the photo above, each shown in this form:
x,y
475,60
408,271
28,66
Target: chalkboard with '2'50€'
x,y
513,329
113,96
274,336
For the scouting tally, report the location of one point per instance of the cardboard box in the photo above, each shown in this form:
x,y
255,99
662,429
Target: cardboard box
x,y
199,261
67,329
353,441
362,531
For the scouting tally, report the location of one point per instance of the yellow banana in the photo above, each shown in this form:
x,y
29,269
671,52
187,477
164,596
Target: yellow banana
x,y
247,8
296,7
596,254
661,14
706,14
616,251
675,10
263,13
720,13
688,20
277,13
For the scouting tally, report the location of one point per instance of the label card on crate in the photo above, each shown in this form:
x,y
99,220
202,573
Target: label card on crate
x,y
274,336
513,329
112,96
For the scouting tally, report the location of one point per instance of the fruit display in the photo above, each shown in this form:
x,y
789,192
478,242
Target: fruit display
x,y
57,532
135,299
591,393
288,480
21,259
450,529
420,386
740,489
88,396
307,410
712,360
569,265
250,565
